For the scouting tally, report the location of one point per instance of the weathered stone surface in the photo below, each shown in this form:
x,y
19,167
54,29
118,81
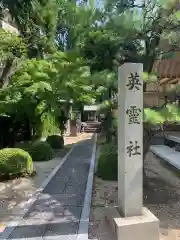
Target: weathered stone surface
x,y
130,220
130,139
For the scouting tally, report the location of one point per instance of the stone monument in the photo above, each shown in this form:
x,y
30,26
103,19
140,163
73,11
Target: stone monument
x,y
68,130
130,220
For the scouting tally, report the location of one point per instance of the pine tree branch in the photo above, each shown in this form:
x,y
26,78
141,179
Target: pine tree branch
x,y
169,51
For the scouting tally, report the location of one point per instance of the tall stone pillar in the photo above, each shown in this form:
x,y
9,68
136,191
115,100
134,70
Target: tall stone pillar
x,y
130,139
130,220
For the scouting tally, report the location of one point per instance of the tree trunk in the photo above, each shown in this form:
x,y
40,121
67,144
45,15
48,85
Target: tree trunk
x,y
108,126
150,56
7,71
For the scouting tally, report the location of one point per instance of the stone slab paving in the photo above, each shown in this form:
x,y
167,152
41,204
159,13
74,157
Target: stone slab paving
x,y
57,211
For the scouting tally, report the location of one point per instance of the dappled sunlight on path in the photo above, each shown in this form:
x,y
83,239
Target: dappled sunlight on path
x,y
16,192
56,210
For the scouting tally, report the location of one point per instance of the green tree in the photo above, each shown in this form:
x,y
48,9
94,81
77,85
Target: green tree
x,y
12,52
75,20
36,22
41,86
135,34
143,28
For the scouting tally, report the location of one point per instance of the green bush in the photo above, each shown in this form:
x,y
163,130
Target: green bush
x,y
41,151
55,141
107,162
15,162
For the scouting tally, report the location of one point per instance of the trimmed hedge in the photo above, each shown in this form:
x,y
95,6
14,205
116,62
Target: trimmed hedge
x,y
55,141
107,163
15,162
41,151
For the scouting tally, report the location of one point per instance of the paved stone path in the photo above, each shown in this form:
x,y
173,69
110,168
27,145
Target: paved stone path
x,y
57,211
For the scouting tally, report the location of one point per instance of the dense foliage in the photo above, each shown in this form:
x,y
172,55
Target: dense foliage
x,y
69,51
41,151
15,162
55,141
107,162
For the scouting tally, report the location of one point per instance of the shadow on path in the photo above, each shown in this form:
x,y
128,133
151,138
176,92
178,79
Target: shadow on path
x,y
57,211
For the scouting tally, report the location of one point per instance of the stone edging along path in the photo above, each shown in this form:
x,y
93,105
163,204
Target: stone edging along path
x,y
23,209
84,221
82,230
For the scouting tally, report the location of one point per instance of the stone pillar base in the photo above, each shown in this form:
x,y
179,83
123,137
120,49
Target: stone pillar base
x,y
144,227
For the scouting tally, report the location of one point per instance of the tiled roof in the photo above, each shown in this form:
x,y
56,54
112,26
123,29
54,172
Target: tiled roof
x,y
168,71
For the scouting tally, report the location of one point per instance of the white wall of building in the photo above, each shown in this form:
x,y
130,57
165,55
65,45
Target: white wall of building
x,y
8,27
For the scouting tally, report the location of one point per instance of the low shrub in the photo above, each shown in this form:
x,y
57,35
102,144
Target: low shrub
x,y
41,151
15,162
55,141
107,162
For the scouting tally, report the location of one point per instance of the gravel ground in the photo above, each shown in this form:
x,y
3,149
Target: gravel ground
x,y
17,191
162,198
